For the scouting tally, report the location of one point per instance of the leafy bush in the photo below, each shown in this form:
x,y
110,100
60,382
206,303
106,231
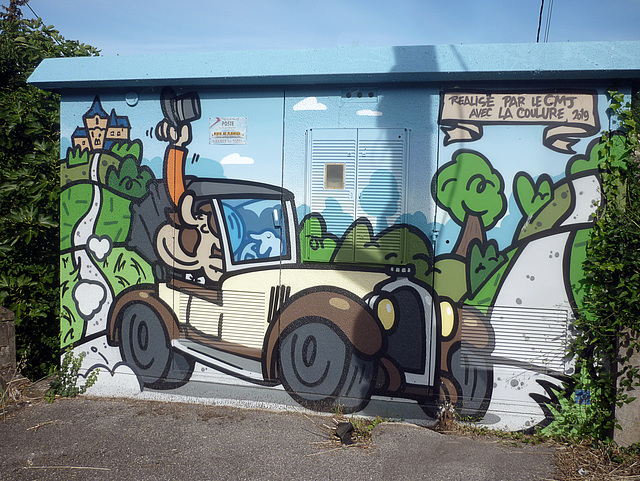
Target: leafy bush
x,y
609,324
129,179
128,148
29,191
77,156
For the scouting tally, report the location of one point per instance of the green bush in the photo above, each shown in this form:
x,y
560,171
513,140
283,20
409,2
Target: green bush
x,y
77,156
608,327
29,187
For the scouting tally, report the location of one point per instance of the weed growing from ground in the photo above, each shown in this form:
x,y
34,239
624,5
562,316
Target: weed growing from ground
x,y
363,427
66,382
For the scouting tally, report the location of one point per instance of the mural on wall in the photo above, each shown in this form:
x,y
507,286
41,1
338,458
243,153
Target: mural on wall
x,y
526,291
160,275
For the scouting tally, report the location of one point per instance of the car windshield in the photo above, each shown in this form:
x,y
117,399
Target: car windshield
x,y
254,229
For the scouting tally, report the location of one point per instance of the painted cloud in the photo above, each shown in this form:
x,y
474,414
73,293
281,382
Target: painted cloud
x,y
369,113
310,103
236,159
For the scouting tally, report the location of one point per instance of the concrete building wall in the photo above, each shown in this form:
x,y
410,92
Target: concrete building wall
x,y
385,233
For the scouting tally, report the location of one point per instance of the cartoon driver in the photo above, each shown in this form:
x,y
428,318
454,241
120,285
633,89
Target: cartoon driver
x,y
190,242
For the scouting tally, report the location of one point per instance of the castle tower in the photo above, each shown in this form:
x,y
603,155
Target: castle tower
x,y
80,138
95,122
117,129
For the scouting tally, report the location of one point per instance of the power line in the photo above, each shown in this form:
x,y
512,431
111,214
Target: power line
x,y
547,26
549,10
32,11
540,22
38,16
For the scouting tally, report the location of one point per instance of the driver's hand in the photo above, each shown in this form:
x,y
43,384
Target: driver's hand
x,y
178,137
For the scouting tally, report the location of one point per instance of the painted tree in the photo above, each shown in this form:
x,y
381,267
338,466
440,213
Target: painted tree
x,y
472,192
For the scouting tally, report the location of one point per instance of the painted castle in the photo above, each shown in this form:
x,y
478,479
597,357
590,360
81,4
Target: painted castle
x,y
100,129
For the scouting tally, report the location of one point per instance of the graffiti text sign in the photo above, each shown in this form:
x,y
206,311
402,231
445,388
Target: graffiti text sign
x,y
228,130
566,115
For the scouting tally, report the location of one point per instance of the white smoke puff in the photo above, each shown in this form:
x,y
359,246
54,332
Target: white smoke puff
x,y
100,247
122,382
89,297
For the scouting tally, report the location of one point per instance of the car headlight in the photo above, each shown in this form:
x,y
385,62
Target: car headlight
x,y
448,317
386,311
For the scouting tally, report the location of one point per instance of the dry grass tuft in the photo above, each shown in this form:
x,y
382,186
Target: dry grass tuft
x,y
361,437
16,391
585,460
589,461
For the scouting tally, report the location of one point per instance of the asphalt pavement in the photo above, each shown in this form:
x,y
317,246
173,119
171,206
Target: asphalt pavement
x,y
126,439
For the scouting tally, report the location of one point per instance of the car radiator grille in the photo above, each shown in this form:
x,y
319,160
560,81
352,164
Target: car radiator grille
x,y
279,295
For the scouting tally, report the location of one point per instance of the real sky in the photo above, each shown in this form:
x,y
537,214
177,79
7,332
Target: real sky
x,y
126,27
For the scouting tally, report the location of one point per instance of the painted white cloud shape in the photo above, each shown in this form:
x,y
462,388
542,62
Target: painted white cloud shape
x,y
236,159
88,296
99,246
310,103
369,113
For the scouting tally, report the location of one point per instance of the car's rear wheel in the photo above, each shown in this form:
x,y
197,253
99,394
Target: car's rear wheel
x,y
320,368
472,376
146,348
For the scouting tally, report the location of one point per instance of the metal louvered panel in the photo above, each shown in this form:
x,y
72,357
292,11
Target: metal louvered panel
x,y
337,206
393,241
374,176
381,176
332,152
381,154
381,170
240,319
533,336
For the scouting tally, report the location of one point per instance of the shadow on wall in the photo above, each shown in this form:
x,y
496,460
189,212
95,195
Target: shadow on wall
x,y
467,386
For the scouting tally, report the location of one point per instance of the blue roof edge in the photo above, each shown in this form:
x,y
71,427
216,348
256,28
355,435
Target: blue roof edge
x,y
584,60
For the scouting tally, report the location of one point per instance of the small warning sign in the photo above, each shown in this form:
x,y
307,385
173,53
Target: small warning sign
x,y
227,130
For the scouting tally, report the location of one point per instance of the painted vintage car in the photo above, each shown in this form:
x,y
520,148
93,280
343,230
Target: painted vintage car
x,y
329,333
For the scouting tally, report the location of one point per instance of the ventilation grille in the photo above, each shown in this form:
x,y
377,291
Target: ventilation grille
x,y
536,337
333,151
241,318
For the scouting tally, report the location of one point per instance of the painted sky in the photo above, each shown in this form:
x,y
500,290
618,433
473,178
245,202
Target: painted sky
x,y
125,27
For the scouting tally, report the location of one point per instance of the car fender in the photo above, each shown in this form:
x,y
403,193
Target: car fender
x,y
345,311
147,295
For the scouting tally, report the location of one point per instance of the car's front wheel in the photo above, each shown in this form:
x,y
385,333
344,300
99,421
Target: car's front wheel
x,y
320,368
